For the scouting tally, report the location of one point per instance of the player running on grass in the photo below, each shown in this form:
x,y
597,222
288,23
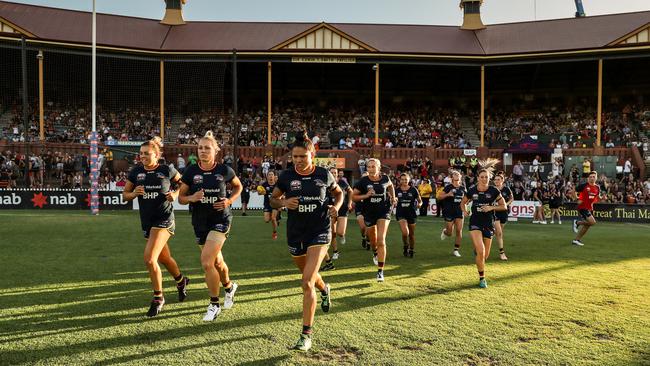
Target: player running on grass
x,y
151,183
270,214
502,216
204,188
303,191
587,194
485,199
358,212
378,194
408,203
337,222
451,197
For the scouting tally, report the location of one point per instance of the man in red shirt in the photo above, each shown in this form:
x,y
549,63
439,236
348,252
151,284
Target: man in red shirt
x,y
587,194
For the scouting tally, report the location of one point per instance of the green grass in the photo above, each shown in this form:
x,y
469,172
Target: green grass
x,y
74,290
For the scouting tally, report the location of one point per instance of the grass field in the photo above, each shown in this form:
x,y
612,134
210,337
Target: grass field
x,y
74,290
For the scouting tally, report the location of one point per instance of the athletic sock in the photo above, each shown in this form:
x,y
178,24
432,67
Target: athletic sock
x,y
179,278
214,300
336,252
501,251
157,295
456,246
306,329
380,265
481,274
228,287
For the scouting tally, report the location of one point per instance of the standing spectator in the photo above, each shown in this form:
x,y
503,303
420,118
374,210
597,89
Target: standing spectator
x,y
535,169
627,168
77,180
192,159
180,163
108,153
425,190
586,168
265,167
362,164
518,172
315,141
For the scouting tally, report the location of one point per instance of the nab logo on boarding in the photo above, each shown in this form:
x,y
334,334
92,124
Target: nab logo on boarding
x,y
12,200
39,200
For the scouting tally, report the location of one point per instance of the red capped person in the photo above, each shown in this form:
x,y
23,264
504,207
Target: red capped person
x,y
587,194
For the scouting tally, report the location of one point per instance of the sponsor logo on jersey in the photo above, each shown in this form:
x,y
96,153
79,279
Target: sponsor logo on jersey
x,y
319,183
308,207
160,175
198,179
141,177
475,196
218,177
295,185
487,195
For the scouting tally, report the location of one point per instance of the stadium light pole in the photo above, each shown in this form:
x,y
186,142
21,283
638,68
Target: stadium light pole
x,y
41,120
94,169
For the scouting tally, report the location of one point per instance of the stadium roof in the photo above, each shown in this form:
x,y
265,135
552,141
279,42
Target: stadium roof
x,y
573,34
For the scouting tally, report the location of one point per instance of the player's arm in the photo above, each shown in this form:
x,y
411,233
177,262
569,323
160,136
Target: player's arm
x,y
277,200
349,193
501,204
463,205
337,194
131,191
391,193
172,195
184,197
237,187
445,193
418,199
577,189
357,196
512,198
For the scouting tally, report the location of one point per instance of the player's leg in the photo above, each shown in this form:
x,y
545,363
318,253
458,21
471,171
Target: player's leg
x,y
411,240
311,280
156,241
381,229
479,249
341,227
458,235
274,221
404,228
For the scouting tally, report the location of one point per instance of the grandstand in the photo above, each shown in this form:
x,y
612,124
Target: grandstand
x,y
173,80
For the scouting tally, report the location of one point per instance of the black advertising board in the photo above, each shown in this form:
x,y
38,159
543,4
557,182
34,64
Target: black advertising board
x,y
47,199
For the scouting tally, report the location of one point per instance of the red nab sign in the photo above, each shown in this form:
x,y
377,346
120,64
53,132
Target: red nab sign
x,y
60,200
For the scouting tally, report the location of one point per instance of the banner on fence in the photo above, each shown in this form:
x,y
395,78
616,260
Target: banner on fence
x,y
603,211
60,200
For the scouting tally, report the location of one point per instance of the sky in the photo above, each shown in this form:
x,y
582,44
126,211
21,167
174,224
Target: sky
x,y
439,12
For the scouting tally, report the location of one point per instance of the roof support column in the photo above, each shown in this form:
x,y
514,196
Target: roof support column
x,y
268,103
482,105
162,100
599,116
376,104
41,118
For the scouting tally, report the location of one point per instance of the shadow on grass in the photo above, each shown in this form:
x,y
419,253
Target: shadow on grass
x,y
356,302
